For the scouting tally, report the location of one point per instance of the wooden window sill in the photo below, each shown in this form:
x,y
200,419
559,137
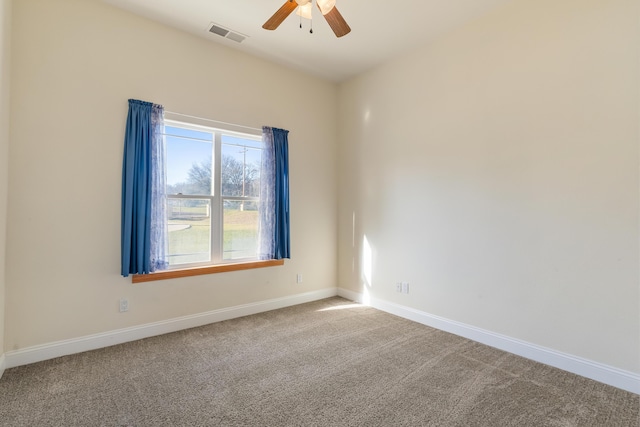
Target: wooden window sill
x,y
197,271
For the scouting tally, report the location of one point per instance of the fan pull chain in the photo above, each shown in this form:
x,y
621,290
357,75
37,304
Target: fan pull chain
x,y
310,19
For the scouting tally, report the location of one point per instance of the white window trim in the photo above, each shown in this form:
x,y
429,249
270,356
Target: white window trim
x,y
216,200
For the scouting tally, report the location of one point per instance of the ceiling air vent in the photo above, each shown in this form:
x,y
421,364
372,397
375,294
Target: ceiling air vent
x,y
226,33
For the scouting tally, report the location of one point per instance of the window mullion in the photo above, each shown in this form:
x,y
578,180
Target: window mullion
x,y
216,202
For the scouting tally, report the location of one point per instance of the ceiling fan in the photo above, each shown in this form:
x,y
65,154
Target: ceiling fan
x,y
327,7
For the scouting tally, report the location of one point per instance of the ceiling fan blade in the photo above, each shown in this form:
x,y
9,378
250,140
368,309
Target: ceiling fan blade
x,y
282,13
337,22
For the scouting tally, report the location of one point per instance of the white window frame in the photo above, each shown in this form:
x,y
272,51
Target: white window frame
x,y
216,199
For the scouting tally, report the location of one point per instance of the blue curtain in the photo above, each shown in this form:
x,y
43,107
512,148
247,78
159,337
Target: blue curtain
x,y
275,242
143,190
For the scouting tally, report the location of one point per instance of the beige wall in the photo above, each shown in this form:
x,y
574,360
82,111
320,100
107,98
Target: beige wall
x,y
496,170
75,64
5,33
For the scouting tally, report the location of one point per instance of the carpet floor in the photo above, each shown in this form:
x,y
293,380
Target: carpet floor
x,y
325,363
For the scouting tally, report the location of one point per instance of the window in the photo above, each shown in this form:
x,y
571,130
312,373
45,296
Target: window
x,y
228,197
213,195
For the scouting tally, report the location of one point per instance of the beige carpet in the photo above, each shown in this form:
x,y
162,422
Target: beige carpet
x,y
327,363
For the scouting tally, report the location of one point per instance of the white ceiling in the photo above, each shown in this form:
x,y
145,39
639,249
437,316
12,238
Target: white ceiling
x,y
380,29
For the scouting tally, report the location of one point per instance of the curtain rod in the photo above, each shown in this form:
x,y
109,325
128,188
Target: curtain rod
x,y
214,121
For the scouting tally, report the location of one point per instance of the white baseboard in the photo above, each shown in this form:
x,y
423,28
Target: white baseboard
x,y
350,295
3,364
615,377
39,353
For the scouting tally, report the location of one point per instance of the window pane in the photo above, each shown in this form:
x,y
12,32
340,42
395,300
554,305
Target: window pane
x,y
240,166
188,161
240,230
189,230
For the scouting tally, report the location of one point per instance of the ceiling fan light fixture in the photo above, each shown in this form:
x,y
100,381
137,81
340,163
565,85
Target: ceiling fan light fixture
x,y
327,8
326,5
304,10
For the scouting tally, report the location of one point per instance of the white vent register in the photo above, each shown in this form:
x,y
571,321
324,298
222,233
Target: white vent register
x,y
226,33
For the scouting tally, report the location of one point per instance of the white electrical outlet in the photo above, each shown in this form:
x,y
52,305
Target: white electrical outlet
x,y
124,305
405,287
399,287
299,278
